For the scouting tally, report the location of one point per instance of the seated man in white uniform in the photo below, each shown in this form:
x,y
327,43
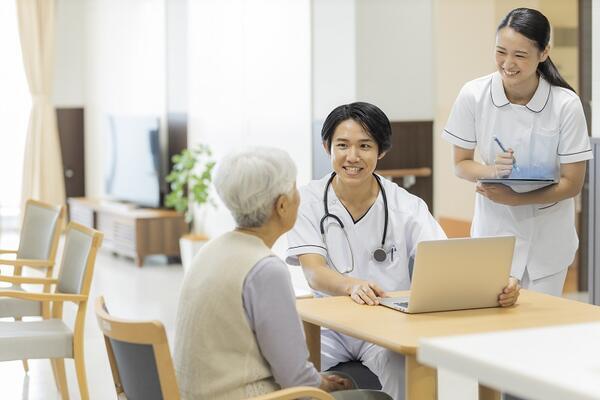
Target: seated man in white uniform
x,y
356,232
238,333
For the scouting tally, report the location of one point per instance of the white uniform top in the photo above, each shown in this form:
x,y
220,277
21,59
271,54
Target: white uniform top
x,y
409,222
550,130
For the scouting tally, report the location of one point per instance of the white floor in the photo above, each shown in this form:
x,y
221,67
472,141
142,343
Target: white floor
x,y
143,293
150,292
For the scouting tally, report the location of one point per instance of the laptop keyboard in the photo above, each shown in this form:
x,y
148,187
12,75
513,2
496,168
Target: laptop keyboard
x,y
403,304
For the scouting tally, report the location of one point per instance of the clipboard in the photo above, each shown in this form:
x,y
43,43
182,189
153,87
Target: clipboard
x,y
518,181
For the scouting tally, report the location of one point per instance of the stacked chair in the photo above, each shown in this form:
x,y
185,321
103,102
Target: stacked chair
x,y
51,337
38,242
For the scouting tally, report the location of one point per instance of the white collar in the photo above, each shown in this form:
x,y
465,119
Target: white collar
x,y
537,102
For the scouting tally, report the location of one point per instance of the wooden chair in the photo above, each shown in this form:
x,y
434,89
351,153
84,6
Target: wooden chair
x,y
141,364
38,242
52,338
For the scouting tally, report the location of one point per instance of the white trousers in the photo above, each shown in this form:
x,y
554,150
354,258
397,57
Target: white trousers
x,y
552,284
386,364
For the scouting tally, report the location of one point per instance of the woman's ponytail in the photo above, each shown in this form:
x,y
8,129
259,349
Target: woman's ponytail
x,y
548,70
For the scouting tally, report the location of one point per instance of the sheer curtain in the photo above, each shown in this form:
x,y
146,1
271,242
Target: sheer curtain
x,y
15,103
42,167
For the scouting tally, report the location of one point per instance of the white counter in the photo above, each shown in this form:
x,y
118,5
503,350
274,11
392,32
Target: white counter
x,y
552,363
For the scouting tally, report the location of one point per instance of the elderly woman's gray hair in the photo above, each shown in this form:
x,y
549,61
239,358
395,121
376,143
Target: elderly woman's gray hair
x,y
250,181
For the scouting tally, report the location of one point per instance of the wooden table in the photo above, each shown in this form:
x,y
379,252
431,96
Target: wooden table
x,y
401,332
550,363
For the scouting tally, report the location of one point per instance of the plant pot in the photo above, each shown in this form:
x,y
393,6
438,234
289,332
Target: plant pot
x,y
189,245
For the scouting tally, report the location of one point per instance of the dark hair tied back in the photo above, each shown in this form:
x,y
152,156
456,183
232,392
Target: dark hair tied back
x,y
535,26
370,117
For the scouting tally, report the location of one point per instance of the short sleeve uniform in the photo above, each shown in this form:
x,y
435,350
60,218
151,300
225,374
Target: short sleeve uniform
x,y
550,130
409,222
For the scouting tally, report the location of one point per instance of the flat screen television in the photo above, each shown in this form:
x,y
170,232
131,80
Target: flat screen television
x,y
133,160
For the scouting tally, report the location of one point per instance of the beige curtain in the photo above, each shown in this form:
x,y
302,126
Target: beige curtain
x,y
42,168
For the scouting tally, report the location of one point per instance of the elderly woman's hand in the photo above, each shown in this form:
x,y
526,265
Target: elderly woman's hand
x,y
364,292
510,293
331,383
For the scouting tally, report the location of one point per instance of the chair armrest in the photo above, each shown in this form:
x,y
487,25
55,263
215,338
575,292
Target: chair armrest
x,y
28,279
296,393
8,251
25,262
46,297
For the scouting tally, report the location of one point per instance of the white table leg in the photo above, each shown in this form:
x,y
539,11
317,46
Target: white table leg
x,y
453,386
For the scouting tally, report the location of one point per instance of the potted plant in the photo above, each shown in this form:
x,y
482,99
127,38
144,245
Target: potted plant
x,y
190,180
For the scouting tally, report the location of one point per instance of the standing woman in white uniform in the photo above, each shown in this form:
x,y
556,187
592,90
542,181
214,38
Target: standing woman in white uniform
x,y
356,231
525,121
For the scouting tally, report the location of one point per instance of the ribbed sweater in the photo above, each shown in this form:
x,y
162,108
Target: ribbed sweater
x,y
216,354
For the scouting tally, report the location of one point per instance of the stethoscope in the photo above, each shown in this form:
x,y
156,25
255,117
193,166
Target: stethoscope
x,y
379,253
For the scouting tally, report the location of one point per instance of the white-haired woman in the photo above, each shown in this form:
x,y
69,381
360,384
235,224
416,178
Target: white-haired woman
x,y
238,332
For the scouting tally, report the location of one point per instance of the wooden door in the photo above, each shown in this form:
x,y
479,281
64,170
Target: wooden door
x,y
70,132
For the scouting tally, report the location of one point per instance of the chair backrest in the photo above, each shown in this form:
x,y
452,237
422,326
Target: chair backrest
x,y
40,231
78,259
139,356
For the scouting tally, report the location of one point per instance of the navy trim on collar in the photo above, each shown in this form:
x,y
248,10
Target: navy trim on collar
x,y
540,97
497,94
536,104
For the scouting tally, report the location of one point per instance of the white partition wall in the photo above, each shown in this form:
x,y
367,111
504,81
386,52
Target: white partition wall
x,y
594,167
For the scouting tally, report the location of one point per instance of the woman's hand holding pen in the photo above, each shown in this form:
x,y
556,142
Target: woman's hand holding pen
x,y
503,165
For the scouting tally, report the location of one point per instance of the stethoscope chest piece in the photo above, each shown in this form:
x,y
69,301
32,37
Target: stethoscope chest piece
x,y
379,255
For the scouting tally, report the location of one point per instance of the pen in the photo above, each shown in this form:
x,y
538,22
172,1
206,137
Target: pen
x,y
506,151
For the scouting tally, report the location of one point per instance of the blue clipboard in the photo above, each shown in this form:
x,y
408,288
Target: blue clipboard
x,y
518,181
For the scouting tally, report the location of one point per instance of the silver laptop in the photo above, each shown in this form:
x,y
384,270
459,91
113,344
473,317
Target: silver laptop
x,y
457,274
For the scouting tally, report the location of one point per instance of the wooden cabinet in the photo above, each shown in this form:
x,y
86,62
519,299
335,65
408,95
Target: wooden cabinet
x,y
129,231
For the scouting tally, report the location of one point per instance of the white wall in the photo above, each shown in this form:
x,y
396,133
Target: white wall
x,y
69,90
124,70
463,51
176,53
334,58
596,68
249,77
379,51
394,57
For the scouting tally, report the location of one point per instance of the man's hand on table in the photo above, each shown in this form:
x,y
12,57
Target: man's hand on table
x,y
365,292
510,293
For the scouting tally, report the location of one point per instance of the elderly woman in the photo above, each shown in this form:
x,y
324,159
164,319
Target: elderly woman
x,y
238,332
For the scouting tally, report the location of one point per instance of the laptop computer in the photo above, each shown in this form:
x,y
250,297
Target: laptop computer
x,y
457,274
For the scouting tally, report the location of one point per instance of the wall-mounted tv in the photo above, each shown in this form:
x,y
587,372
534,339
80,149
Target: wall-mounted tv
x,y
133,160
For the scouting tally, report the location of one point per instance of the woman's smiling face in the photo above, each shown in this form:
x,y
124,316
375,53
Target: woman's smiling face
x,y
517,57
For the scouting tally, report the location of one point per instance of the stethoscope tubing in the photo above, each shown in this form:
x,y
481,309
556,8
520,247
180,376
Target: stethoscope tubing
x,y
339,221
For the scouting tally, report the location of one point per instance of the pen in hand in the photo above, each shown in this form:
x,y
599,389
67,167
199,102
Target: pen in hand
x,y
516,168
